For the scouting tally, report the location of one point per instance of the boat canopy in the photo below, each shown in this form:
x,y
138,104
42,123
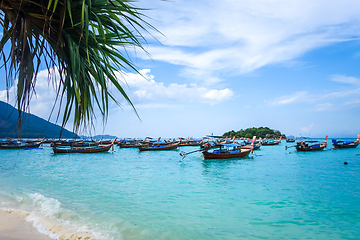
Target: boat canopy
x,y
229,145
346,141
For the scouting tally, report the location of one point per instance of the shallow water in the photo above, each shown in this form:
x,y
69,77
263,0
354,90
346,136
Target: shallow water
x,y
127,194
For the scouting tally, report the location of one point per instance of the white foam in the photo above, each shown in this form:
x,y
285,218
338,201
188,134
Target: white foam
x,y
49,218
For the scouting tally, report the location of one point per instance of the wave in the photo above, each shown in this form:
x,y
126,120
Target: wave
x,y
48,217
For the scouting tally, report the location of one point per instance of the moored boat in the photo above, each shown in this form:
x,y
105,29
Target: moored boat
x,y
190,142
71,143
227,151
255,146
306,146
290,139
158,147
222,153
345,144
271,142
17,144
86,149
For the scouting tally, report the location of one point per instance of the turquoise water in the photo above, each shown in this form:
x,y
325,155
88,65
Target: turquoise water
x,y
127,194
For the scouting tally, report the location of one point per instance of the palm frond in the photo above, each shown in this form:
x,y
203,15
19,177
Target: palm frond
x,y
85,40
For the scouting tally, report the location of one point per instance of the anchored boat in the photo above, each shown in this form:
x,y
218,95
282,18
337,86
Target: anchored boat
x,y
346,143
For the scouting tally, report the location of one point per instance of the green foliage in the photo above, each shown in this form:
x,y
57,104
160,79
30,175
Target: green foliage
x,y
85,41
250,132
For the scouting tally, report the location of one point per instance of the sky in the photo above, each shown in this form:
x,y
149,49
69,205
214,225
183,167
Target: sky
x,y
292,66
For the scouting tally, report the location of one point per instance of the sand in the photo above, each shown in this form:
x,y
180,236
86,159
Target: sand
x,y
13,226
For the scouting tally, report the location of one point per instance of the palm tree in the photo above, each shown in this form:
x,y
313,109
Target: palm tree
x,y
85,41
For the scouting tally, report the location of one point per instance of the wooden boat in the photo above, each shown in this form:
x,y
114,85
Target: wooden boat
x,y
130,143
225,152
306,146
20,145
74,143
271,142
228,151
290,139
88,149
158,147
209,144
255,146
345,144
190,143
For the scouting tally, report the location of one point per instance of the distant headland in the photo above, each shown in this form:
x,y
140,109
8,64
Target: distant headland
x,y
32,126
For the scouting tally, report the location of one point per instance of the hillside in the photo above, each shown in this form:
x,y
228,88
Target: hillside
x,y
33,126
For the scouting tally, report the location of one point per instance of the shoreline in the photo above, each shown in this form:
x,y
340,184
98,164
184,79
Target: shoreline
x,y
13,226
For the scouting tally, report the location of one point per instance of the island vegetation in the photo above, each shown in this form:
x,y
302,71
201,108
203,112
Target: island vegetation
x,y
263,132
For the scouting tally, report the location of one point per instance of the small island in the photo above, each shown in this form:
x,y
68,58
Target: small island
x,y
263,132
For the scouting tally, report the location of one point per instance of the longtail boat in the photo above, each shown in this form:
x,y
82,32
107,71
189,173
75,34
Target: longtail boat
x,y
271,142
62,143
87,149
129,143
20,144
306,146
291,139
255,146
227,151
190,143
158,147
346,143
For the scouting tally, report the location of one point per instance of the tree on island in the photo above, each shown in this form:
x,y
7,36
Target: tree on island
x,y
263,132
83,41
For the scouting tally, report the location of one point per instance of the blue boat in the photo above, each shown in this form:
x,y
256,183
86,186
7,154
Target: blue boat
x,y
345,144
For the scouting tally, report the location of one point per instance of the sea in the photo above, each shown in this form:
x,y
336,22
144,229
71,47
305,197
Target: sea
x,y
126,194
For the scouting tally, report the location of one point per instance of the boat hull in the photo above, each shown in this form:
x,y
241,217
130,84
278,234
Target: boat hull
x,y
95,149
227,155
255,147
30,145
271,144
158,148
339,146
121,145
317,147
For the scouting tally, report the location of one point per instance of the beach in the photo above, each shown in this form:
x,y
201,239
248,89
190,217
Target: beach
x,y
13,226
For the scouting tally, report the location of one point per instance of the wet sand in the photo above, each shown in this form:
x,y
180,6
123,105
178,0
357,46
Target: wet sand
x,y
13,226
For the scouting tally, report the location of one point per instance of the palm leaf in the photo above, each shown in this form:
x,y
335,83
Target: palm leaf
x,y
85,40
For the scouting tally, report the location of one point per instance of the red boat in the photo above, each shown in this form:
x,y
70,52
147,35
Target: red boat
x,y
158,147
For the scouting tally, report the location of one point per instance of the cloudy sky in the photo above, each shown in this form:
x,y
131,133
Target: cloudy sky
x,y
227,65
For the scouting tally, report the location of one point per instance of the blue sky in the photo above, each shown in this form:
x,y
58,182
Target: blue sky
x,y
227,65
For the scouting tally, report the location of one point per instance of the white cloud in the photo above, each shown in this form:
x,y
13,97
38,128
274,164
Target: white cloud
x,y
307,129
345,79
324,107
296,97
329,101
237,37
43,101
144,89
